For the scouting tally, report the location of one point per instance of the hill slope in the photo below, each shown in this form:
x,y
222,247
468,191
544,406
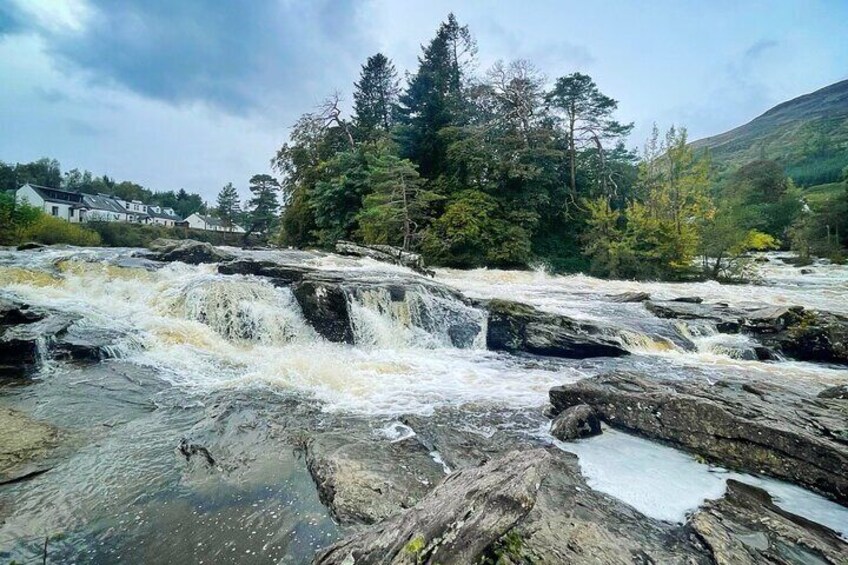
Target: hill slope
x,y
808,135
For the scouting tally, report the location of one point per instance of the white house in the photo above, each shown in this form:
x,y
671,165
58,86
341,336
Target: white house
x,y
208,223
82,207
53,201
162,216
103,208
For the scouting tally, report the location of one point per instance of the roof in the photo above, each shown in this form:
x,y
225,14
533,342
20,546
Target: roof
x,y
209,220
153,213
55,194
103,202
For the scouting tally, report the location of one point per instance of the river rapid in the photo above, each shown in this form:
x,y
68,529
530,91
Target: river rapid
x,y
230,361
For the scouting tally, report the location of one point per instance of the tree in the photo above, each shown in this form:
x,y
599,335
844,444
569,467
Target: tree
x,y
586,114
228,207
375,98
397,207
435,96
263,206
336,198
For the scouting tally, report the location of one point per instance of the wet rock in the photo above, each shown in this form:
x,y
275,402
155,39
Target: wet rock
x,y
630,297
23,346
725,318
30,246
839,392
516,327
187,251
466,514
15,312
769,319
363,480
576,422
189,450
281,275
572,523
325,307
746,527
807,271
814,336
756,427
24,445
688,299
384,253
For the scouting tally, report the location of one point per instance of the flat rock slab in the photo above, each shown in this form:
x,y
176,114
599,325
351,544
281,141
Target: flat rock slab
x,y
25,444
469,511
756,427
363,480
517,327
744,527
187,251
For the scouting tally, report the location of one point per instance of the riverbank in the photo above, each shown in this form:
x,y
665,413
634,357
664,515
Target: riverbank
x,y
331,393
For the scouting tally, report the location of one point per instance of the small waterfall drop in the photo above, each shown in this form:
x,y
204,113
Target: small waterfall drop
x,y
414,316
241,309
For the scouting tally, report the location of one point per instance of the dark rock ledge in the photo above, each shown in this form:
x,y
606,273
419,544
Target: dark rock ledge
x,y
755,427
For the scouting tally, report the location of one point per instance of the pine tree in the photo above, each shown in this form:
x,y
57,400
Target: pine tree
x,y
586,114
228,207
396,210
263,205
375,98
435,97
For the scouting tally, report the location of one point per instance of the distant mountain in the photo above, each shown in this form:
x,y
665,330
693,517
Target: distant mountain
x,y
807,135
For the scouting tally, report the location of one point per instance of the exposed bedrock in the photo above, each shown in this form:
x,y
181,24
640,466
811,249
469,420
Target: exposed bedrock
x,y
745,527
757,427
187,251
807,335
25,445
384,253
29,335
517,327
363,480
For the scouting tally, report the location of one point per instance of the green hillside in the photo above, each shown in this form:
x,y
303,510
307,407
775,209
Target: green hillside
x,y
807,135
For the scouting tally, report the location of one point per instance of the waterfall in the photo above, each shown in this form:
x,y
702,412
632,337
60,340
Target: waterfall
x,y
414,316
241,309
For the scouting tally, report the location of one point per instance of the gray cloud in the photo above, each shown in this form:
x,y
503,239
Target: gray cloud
x,y
239,56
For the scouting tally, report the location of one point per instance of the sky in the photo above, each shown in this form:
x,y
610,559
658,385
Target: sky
x,y
197,93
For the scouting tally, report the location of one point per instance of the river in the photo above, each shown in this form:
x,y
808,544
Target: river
x,y
194,343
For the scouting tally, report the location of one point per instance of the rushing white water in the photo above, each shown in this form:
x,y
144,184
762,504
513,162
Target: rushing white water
x,y
415,352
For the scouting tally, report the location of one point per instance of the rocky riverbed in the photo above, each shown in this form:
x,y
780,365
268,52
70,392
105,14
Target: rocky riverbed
x,y
190,404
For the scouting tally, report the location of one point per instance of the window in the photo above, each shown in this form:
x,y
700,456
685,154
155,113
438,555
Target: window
x,y
71,212
55,210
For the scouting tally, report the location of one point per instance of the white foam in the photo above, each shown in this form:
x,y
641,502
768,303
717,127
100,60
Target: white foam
x,y
667,484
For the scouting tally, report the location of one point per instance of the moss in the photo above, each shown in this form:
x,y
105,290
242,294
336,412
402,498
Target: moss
x,y
508,549
415,546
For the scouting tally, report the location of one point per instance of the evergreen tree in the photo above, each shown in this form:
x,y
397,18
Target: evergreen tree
x,y
586,115
375,98
228,207
263,205
435,97
396,210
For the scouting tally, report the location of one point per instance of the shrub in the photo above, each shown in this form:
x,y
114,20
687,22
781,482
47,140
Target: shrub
x,y
49,230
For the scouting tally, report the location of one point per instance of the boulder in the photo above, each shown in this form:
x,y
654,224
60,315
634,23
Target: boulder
x,y
576,422
725,318
838,392
363,480
745,527
755,427
807,271
516,327
280,274
384,253
456,523
30,246
187,251
630,297
325,307
688,299
813,336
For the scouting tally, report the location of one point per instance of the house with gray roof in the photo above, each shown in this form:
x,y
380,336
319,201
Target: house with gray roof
x,y
209,223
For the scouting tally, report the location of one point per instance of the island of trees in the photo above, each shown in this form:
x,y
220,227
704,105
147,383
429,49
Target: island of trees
x,y
505,167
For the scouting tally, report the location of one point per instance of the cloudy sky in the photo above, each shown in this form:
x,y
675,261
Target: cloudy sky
x,y
198,93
